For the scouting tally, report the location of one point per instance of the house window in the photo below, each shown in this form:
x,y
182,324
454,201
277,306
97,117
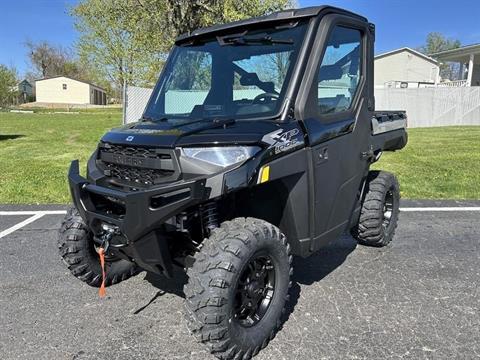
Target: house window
x,y
64,86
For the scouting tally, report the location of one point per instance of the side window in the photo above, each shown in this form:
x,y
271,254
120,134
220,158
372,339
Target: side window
x,y
339,72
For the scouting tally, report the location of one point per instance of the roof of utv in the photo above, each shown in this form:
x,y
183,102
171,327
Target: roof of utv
x,y
284,15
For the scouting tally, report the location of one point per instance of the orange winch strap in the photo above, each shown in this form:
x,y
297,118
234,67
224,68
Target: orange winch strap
x,y
102,292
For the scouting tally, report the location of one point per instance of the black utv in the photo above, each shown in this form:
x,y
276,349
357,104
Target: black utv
x,y
255,146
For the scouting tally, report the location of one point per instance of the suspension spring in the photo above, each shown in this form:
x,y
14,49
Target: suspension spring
x,y
210,216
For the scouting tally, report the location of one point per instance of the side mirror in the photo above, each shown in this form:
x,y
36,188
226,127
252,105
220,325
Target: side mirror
x,y
330,72
249,79
252,79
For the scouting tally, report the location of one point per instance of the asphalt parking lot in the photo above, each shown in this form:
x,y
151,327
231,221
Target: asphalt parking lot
x,y
415,299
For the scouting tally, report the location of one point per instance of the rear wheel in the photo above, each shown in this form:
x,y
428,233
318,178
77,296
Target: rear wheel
x,y
380,209
78,252
238,287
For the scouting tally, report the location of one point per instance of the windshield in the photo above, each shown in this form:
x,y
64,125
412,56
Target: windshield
x,y
235,76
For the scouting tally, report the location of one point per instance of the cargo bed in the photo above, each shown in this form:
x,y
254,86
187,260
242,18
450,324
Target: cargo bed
x,y
388,130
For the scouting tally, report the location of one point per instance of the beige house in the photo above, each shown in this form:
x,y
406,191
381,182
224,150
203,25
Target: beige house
x,y
405,68
64,90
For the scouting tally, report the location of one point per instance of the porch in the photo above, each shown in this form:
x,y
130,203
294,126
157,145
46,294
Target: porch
x,y
468,58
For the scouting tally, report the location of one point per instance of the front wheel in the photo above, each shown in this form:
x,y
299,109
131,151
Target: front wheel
x,y
380,210
238,288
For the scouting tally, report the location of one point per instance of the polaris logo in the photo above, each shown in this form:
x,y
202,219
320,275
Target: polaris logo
x,y
129,138
127,160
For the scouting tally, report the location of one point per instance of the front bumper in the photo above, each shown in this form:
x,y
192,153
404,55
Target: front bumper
x,y
141,214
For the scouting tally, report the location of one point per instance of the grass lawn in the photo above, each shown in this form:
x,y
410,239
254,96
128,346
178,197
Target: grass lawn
x,y
36,149
438,163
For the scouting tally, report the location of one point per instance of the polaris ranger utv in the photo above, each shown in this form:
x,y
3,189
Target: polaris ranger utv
x,y
255,146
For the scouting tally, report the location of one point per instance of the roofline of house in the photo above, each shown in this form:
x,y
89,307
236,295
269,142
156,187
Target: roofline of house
x,y
68,77
418,53
25,80
458,51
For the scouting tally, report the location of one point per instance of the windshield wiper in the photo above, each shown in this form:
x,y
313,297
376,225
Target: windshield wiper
x,y
242,40
210,124
152,119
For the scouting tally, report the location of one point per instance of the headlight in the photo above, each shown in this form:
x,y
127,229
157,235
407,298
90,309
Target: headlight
x,y
221,156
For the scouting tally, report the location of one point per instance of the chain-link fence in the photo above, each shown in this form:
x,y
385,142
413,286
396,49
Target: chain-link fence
x,y
136,99
176,101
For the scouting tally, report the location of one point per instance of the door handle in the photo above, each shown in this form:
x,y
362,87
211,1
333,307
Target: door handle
x,y
322,155
369,154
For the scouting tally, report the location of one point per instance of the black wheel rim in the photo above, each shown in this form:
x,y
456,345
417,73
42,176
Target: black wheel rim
x,y
388,209
255,290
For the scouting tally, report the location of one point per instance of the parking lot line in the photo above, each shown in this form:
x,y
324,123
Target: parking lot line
x,y
21,224
452,208
33,212
37,214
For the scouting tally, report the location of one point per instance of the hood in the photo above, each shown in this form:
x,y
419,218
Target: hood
x,y
170,135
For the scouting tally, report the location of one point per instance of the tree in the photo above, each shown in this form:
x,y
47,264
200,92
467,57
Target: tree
x,y
437,42
8,86
49,60
129,39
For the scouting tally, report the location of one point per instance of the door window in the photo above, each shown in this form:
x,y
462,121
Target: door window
x,y
339,72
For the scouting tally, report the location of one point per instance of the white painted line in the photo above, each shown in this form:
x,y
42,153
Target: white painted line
x,y
20,225
458,208
43,212
35,215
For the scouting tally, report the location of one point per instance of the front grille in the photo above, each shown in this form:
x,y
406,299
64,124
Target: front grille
x,y
136,175
137,165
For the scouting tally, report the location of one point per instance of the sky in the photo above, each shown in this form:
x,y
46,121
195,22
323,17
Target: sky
x,y
399,23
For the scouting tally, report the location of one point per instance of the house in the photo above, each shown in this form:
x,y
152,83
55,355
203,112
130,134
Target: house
x,y
468,58
405,68
65,90
25,91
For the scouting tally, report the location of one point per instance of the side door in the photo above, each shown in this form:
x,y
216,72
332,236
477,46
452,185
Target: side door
x,y
335,105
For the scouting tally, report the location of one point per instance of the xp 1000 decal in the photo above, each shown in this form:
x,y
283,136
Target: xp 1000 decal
x,y
284,140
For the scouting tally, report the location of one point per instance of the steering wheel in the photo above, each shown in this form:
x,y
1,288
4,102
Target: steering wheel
x,y
265,96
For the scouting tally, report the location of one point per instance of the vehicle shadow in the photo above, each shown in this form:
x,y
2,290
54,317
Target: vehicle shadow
x,y
172,286
305,272
319,265
165,286
10,137
316,267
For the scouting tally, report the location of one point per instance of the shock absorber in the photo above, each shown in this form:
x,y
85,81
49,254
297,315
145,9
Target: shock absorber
x,y
209,216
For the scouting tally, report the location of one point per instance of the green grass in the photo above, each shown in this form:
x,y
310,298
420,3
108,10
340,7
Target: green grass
x,y
33,166
438,163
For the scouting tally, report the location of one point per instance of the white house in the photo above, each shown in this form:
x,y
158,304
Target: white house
x,y
65,90
405,68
